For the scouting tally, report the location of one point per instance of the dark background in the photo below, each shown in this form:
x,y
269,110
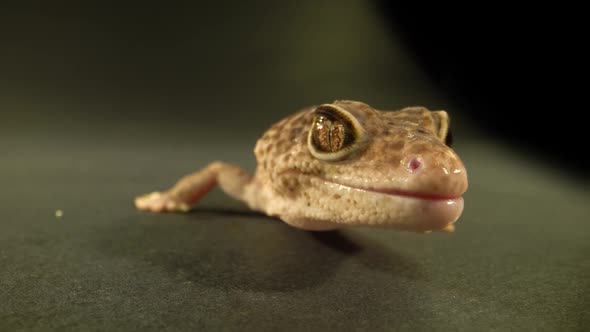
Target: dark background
x,y
102,101
514,70
511,71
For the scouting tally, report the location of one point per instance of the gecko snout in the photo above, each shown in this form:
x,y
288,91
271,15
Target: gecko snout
x,y
436,173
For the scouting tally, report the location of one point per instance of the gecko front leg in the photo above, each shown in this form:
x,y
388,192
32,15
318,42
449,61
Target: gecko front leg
x,y
232,179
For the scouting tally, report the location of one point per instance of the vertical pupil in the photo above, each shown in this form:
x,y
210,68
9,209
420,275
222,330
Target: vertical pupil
x,y
336,136
330,134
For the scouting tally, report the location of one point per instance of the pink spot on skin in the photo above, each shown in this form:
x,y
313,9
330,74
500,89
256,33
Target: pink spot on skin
x,y
414,164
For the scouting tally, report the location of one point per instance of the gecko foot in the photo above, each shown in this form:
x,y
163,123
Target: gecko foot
x,y
161,202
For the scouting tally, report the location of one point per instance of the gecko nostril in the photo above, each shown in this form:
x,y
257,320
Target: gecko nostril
x,y
414,164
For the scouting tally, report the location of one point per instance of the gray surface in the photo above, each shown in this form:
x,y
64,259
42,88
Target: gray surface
x,y
518,261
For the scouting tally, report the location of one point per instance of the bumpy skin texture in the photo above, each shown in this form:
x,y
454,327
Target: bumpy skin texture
x,y
399,174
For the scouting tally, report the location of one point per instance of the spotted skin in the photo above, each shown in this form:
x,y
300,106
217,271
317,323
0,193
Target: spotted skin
x,y
401,175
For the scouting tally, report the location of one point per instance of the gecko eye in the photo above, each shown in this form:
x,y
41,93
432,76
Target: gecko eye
x,y
334,133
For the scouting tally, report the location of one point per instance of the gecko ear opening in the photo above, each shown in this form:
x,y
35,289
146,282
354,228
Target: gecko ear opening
x,y
442,126
334,133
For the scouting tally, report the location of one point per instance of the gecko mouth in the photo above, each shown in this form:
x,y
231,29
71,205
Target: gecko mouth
x,y
421,211
400,192
406,193
388,207
385,191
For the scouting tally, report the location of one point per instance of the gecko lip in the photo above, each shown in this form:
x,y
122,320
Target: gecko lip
x,y
426,211
403,193
387,191
397,208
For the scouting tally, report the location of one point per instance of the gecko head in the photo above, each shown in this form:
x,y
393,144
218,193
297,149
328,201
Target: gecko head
x,y
357,166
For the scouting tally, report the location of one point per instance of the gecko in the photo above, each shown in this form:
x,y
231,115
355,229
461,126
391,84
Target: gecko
x,y
341,164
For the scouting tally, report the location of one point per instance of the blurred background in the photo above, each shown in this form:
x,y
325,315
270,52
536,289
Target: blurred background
x,y
148,70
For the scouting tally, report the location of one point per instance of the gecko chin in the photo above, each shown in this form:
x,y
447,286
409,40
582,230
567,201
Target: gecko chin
x,y
341,205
